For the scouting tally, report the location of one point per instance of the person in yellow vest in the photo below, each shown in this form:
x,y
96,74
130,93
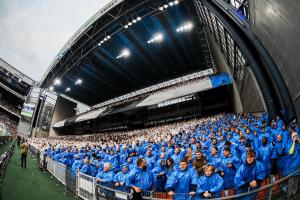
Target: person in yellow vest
x,y
24,150
293,164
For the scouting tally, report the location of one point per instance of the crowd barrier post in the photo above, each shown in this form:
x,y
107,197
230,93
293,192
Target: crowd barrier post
x,y
60,172
86,188
50,165
270,189
71,180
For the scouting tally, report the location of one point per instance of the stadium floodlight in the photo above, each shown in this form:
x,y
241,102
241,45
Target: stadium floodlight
x,y
171,4
108,37
158,37
124,53
139,18
134,21
79,81
161,8
51,88
68,89
185,27
130,23
126,26
166,6
57,81
176,2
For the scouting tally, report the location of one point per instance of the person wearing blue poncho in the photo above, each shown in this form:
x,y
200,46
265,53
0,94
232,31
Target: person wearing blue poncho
x,y
228,166
140,178
86,169
214,159
77,163
209,185
120,177
249,175
177,156
160,177
181,181
170,167
106,176
265,155
280,153
150,159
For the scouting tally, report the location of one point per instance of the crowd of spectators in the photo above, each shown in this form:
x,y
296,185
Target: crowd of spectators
x,y
6,103
10,125
199,157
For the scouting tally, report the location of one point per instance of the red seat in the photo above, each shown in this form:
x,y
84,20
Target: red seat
x,y
263,193
227,193
276,188
162,195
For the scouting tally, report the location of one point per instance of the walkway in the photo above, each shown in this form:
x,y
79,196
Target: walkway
x,y
31,183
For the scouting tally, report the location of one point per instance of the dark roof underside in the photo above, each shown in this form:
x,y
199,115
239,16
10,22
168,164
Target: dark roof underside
x,y
105,77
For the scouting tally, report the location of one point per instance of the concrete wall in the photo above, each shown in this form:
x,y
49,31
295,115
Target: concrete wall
x,y
223,67
250,98
63,109
276,23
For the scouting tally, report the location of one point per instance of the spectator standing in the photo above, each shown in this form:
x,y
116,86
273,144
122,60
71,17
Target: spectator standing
x,y
24,150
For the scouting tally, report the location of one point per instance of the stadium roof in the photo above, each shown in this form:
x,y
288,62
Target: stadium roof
x,y
103,71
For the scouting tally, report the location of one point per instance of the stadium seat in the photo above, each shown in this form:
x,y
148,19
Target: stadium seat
x,y
263,193
227,193
277,187
161,195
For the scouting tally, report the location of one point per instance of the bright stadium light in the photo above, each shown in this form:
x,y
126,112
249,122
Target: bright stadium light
x,y
68,89
57,82
124,53
134,21
158,37
79,81
51,88
170,4
188,26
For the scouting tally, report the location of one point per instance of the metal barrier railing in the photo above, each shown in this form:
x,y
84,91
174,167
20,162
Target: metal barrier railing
x,y
50,165
60,172
71,180
4,160
274,187
39,157
86,186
